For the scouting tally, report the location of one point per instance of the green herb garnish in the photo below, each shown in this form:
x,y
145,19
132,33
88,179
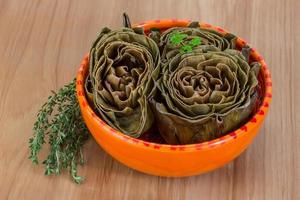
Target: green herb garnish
x,y
60,119
177,38
186,49
195,41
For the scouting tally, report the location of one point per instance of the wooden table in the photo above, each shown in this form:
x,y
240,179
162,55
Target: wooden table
x,y
41,45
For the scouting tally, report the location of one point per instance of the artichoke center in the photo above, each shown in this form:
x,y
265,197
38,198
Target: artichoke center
x,y
126,71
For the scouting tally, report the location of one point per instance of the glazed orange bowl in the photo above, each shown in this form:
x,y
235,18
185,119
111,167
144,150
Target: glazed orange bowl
x,y
175,160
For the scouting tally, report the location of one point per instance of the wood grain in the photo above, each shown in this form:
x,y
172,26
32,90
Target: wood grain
x,y
42,43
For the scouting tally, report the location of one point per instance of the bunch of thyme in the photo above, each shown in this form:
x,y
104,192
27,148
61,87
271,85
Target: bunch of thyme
x,y
60,120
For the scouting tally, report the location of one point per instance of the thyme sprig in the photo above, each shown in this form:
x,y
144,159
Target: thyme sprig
x,y
60,120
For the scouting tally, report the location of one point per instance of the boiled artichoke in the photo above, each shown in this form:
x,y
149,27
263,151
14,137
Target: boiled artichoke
x,y
123,66
177,39
204,93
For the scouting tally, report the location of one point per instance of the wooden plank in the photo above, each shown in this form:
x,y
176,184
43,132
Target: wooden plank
x,y
41,46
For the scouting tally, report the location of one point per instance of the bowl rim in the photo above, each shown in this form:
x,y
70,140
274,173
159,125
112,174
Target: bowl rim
x,y
237,133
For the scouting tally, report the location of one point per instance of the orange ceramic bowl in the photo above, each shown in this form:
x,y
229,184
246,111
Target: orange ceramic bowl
x,y
175,160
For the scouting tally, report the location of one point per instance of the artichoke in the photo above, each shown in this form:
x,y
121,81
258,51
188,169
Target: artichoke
x,y
123,68
204,94
184,39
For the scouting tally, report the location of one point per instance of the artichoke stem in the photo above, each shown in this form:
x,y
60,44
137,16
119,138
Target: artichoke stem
x,y
126,20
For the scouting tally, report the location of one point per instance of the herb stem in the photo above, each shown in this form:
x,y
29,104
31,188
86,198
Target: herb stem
x,y
60,120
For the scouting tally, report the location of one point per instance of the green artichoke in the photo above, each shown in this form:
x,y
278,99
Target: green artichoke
x,y
178,39
123,68
204,94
